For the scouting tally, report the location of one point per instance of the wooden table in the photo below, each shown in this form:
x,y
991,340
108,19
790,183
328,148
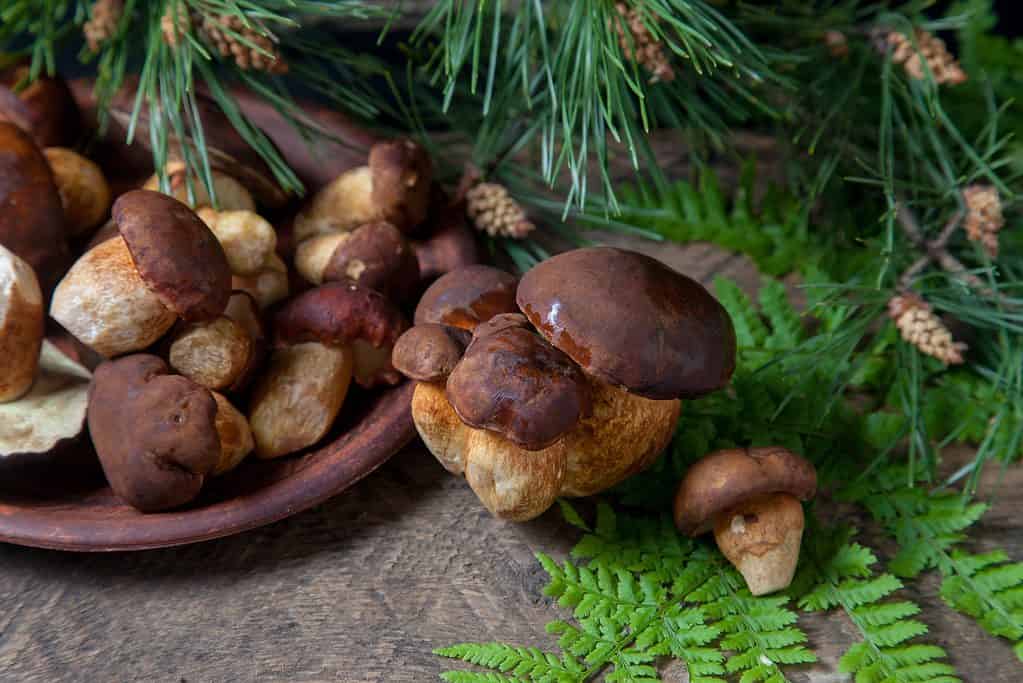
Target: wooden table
x,y
364,587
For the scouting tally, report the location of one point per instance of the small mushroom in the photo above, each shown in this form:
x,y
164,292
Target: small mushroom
x,y
268,286
429,352
50,414
43,108
468,296
125,293
451,244
84,192
298,397
393,187
750,498
155,432
249,241
231,195
236,441
375,255
31,216
343,314
21,325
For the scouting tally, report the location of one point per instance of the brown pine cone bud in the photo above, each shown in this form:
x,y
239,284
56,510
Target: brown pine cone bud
x,y
930,49
102,23
494,211
838,44
222,32
983,216
919,326
640,45
175,23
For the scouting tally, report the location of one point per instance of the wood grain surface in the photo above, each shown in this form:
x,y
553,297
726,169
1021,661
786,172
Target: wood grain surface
x,y
364,587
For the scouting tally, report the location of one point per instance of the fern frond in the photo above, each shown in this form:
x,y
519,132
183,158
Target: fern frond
x,y
846,581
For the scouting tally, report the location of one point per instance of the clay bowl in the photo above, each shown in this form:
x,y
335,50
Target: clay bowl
x,y
71,507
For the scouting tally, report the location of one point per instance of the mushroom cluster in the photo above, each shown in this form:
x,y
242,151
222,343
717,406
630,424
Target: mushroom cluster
x,y
562,383
211,323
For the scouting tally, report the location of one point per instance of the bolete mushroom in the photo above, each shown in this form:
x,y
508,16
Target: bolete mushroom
x,y
268,286
231,195
52,412
344,314
31,216
429,352
468,296
21,325
750,498
248,239
83,189
43,107
450,244
236,441
155,432
393,187
125,293
375,255
616,344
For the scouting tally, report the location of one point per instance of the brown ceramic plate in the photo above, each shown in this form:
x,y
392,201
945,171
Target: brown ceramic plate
x,y
71,507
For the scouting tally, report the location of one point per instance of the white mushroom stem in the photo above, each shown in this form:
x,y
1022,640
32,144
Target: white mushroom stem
x,y
761,537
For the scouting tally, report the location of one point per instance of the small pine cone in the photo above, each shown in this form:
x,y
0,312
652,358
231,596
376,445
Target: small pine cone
x,y
175,23
494,211
639,45
943,66
217,30
919,326
102,23
983,216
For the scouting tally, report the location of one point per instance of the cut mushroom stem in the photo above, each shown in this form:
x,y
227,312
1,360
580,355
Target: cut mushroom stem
x,y
761,537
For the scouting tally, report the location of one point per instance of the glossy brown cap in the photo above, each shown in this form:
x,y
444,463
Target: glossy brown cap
x,y
631,321
429,352
337,314
31,215
499,323
402,175
376,255
514,383
178,257
44,108
468,296
726,478
155,432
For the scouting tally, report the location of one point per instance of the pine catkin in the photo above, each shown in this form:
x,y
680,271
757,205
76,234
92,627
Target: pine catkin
x,y
930,49
494,211
640,45
102,24
919,326
221,31
983,216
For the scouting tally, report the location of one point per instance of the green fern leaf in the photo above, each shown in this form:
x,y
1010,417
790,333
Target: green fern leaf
x,y
786,327
750,331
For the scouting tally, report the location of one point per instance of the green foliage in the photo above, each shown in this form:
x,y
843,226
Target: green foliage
x,y
929,528
842,578
638,591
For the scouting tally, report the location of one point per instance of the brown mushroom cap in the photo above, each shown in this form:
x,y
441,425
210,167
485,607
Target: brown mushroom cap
x,y
726,478
44,108
402,176
499,323
338,313
31,215
468,296
429,352
631,321
375,255
514,383
451,243
155,432
178,257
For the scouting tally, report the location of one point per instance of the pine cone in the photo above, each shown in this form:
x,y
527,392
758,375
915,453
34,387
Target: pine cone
x,y
175,23
218,28
930,48
918,325
639,45
494,211
102,23
983,216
